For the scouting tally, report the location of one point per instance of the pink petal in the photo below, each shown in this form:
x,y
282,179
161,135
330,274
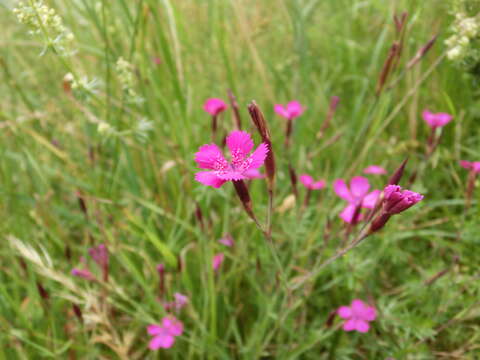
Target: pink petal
x,y
164,341
154,329
476,166
348,212
172,326
375,170
359,186
350,325
362,326
429,118
358,306
239,143
280,110
217,261
210,157
319,185
227,240
257,158
214,106
370,313
253,174
231,175
208,178
341,189
306,180
443,119
344,312
294,109
466,164
370,200
180,300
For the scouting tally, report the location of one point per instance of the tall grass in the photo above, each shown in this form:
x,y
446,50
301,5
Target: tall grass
x,y
67,186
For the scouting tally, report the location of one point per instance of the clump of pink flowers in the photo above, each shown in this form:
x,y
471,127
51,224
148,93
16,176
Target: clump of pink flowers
x,y
164,335
357,316
357,195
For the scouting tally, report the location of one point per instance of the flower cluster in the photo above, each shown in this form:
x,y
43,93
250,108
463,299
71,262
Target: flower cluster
x,y
463,43
126,77
43,20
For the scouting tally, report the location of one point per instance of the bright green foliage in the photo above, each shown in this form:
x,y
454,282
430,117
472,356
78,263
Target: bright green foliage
x,y
73,128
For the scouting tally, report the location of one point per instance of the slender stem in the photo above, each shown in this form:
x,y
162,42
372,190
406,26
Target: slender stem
x,y
313,274
270,212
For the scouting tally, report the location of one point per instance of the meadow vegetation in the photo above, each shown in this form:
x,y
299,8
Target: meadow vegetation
x,y
107,234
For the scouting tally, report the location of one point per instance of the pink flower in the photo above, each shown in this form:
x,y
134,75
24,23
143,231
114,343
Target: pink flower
x,y
308,182
374,170
227,240
217,261
471,165
99,254
254,174
164,335
436,120
179,302
214,106
240,144
161,268
292,110
357,196
83,273
357,316
397,200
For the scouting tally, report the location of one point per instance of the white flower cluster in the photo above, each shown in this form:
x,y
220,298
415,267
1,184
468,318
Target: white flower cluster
x,y
465,30
44,21
126,77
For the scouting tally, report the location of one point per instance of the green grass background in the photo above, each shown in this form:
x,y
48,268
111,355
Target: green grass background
x,y
272,51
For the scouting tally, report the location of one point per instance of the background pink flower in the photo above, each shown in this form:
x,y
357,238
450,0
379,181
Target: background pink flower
x,y
471,165
217,261
164,335
214,106
436,120
357,316
241,165
227,240
290,111
309,183
356,195
374,170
